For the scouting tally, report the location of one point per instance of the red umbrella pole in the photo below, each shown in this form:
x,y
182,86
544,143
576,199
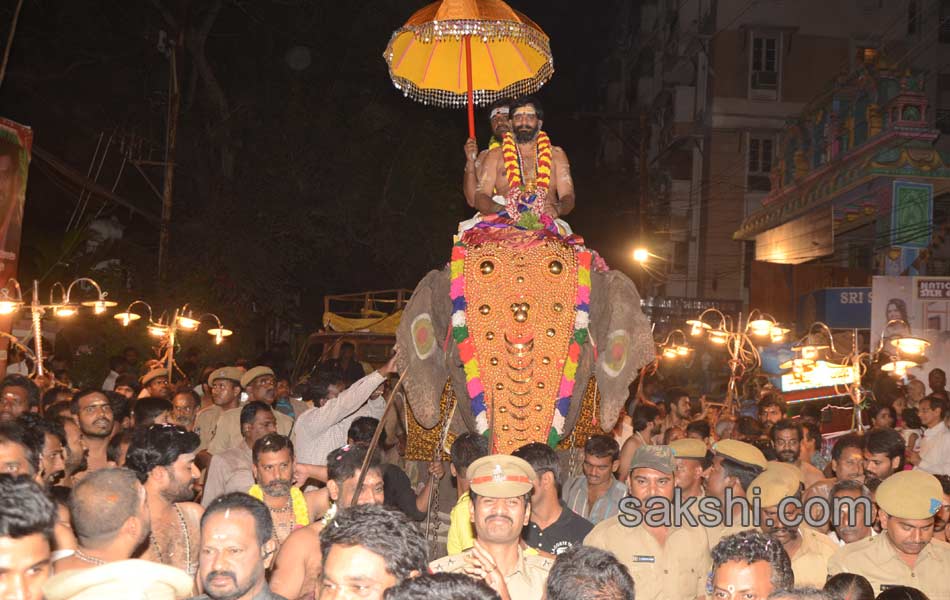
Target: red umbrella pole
x,y
468,72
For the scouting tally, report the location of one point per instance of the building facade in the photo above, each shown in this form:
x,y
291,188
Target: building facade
x,y
721,81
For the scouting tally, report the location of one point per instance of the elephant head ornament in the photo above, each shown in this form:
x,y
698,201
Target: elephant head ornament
x,y
519,330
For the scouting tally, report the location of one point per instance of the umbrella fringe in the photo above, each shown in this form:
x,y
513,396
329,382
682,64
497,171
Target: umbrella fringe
x,y
447,99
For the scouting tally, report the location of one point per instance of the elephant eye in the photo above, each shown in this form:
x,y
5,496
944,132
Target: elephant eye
x,y
487,267
555,267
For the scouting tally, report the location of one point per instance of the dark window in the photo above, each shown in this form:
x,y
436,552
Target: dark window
x,y
680,257
765,72
760,163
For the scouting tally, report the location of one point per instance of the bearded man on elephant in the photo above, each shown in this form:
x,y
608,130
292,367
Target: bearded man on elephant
x,y
525,321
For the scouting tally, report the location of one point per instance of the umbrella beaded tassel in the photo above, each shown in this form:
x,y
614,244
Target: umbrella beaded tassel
x,y
457,53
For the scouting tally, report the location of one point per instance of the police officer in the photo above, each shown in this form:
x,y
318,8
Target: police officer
x,y
734,465
225,386
500,490
667,561
689,456
904,553
808,549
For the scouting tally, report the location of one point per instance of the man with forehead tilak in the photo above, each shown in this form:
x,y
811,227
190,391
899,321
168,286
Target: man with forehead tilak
x,y
500,489
526,171
904,553
667,562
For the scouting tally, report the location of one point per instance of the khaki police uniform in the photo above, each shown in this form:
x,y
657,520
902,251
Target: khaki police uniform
x,y
153,374
526,581
503,476
227,432
743,453
206,421
677,569
690,449
908,495
810,560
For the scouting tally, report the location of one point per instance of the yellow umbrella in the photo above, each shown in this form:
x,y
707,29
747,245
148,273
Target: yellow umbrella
x,y
458,52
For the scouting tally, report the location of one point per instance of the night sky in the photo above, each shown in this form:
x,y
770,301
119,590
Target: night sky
x,y
290,183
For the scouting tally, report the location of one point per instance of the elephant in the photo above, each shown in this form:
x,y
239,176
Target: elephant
x,y
511,328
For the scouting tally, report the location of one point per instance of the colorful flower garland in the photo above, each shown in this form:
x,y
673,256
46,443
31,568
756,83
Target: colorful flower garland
x,y
462,337
297,500
578,339
521,197
460,334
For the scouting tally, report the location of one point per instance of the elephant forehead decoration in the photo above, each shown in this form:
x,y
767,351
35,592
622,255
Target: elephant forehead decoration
x,y
521,309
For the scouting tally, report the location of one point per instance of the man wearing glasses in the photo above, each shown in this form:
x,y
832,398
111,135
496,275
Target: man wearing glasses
x,y
260,384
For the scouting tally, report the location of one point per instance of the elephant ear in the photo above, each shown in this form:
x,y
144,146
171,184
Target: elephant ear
x,y
623,338
420,336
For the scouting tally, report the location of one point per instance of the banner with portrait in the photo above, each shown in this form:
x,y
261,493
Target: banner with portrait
x,y
16,142
924,304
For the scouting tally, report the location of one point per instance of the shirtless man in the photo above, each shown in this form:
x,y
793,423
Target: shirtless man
x,y
474,160
527,117
298,567
163,459
94,417
273,469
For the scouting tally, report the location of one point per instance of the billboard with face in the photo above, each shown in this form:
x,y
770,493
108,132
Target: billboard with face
x,y
15,144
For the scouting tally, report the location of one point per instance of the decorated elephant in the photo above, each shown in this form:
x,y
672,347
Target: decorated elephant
x,y
520,328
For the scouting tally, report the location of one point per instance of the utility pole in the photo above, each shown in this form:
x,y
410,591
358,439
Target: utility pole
x,y
174,105
642,197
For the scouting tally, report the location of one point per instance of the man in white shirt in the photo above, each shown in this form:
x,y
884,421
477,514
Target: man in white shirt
x,y
117,366
934,455
323,428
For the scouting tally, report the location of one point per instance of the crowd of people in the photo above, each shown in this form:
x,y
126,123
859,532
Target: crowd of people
x,y
238,488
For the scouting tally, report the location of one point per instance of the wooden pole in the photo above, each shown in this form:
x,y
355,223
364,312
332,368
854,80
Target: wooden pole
x,y
375,441
174,106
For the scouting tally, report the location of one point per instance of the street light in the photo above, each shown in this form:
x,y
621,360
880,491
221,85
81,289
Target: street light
x,y
737,338
166,328
64,308
668,348
855,362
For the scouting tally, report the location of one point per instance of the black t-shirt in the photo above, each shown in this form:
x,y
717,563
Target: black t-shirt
x,y
570,529
398,492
